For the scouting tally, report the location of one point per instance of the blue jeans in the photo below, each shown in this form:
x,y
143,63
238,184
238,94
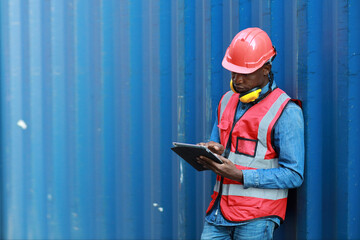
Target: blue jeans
x,y
261,229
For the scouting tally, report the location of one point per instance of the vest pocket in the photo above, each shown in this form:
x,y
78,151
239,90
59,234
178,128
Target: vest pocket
x,y
246,146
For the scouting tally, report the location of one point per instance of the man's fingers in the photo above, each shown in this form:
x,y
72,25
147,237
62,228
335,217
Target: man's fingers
x,y
208,162
202,162
223,159
216,147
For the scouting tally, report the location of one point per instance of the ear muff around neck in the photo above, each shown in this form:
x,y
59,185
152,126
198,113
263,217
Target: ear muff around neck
x,y
248,96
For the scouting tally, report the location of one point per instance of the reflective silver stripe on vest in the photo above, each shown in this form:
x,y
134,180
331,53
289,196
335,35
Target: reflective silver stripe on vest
x,y
239,190
224,102
253,162
264,125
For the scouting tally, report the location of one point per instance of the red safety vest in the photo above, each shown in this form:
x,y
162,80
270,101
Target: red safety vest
x,y
251,148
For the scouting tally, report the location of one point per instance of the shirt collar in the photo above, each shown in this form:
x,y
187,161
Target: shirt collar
x,y
265,89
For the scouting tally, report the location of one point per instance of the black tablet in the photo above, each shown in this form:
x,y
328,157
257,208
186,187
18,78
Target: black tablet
x,y
189,152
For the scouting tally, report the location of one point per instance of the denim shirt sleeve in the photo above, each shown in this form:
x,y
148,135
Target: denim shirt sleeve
x,y
289,144
215,131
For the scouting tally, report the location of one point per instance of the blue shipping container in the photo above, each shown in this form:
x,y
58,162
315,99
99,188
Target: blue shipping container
x,y
94,92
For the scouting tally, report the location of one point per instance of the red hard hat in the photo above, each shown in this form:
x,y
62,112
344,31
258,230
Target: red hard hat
x,y
249,50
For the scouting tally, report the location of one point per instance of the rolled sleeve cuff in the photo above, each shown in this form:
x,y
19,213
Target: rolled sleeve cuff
x,y
251,178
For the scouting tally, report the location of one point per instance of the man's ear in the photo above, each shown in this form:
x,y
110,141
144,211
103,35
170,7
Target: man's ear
x,y
266,69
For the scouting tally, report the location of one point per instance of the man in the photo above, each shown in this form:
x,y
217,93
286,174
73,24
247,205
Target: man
x,y
259,131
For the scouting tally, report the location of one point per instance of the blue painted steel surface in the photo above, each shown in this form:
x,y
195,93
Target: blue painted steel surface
x,y
350,210
94,92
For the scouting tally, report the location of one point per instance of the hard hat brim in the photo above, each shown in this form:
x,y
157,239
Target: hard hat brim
x,y
234,68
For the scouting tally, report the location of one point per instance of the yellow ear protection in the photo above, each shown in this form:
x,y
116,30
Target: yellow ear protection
x,y
248,96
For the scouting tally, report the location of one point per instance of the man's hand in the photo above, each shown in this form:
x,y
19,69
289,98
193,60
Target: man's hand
x,y
214,147
227,169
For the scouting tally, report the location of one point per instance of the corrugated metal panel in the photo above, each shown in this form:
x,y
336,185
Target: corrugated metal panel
x,y
94,92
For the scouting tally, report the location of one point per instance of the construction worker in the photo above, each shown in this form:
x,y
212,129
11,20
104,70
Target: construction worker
x,y
259,136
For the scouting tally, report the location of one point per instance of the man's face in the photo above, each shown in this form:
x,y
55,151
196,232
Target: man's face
x,y
246,82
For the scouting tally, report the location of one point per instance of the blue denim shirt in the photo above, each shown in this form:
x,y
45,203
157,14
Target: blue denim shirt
x,y
288,143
